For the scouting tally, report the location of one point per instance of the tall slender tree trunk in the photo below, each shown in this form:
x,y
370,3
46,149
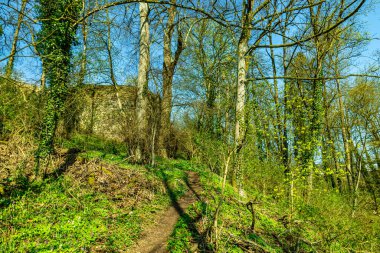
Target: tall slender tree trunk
x,y
90,127
276,101
347,151
328,145
169,65
227,114
10,63
284,137
142,84
43,80
243,64
322,46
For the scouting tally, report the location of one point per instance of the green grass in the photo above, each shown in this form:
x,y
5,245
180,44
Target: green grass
x,y
61,218
234,220
181,237
60,215
324,224
93,143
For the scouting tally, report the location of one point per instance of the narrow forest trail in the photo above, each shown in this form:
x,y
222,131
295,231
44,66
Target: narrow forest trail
x,y
154,238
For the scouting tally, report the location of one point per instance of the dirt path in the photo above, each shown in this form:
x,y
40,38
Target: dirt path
x,y
154,238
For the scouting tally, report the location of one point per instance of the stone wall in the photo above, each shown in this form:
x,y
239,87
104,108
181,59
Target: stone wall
x,y
93,109
100,112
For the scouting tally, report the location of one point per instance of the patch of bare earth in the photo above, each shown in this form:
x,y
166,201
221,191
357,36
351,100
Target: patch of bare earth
x,y
154,238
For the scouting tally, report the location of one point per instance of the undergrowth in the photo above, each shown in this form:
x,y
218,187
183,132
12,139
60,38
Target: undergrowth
x,y
324,224
100,203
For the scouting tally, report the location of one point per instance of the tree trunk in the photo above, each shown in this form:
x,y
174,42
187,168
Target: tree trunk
x,y
43,80
56,37
322,46
347,151
240,87
284,137
328,144
110,62
10,64
142,84
276,101
169,65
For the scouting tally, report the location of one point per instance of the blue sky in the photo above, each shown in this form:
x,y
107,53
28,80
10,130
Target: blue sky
x,y
371,24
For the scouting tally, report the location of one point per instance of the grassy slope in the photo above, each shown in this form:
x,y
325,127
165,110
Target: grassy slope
x,y
74,213
324,225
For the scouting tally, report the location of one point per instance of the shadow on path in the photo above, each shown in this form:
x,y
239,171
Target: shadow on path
x,y
154,238
192,182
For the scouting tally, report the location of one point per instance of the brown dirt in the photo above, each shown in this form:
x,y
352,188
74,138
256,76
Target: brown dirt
x,y
154,238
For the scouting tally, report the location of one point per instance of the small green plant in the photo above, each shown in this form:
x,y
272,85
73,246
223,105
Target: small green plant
x,y
180,240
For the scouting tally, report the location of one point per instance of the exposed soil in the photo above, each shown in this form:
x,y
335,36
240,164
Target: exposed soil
x,y
154,237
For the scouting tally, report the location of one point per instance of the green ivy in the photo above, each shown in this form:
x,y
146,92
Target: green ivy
x,y
57,35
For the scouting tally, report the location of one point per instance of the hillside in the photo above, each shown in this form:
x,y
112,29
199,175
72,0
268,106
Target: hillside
x,y
95,201
189,126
